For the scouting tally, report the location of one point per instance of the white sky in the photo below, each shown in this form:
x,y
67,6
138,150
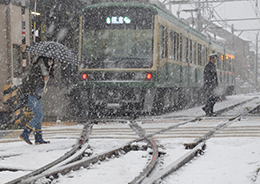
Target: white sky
x,y
231,10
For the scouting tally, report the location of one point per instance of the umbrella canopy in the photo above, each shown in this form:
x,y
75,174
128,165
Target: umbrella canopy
x,y
55,51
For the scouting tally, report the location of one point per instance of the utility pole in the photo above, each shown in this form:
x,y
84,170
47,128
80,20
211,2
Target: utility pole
x,y
34,24
233,37
199,23
256,62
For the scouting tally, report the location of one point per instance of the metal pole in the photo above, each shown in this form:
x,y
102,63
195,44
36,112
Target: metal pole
x,y
199,23
80,38
256,63
34,24
233,37
8,43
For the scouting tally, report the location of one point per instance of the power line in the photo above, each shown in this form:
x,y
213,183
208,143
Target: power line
x,y
255,7
221,21
236,19
191,2
246,29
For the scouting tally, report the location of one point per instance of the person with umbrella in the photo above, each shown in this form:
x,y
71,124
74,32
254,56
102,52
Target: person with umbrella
x,y
34,86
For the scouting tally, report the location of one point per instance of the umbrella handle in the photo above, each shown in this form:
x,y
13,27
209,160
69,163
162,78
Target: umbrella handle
x,y
45,87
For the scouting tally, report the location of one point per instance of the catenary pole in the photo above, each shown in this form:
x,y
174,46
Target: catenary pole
x,y
34,24
256,63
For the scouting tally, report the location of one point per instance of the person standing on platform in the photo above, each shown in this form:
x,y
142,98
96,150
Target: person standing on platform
x,y
210,84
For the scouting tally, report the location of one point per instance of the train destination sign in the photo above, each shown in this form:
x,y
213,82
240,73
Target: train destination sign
x,y
118,20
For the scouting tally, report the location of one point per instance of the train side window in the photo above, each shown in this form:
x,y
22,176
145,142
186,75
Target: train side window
x,y
194,50
162,51
163,42
185,49
191,43
181,47
166,42
176,46
200,58
17,64
171,49
203,55
206,54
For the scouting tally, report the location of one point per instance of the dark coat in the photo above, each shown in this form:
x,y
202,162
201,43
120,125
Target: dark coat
x,y
210,77
33,83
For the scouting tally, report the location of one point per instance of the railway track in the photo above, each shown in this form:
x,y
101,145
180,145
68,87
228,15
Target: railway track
x,y
141,133
199,144
79,146
73,160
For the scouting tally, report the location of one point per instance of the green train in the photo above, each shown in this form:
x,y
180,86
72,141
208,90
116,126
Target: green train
x,y
139,58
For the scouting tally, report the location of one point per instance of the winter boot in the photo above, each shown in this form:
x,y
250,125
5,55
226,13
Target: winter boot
x,y
38,138
206,110
25,135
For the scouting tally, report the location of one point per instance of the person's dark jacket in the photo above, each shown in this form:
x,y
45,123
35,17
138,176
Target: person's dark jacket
x,y
33,83
210,77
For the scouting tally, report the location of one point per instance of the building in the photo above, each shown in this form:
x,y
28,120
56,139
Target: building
x,y
14,37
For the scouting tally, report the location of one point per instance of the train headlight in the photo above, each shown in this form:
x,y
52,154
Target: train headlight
x,y
84,76
149,76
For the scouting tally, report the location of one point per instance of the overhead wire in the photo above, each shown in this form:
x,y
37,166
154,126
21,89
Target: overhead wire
x,y
218,5
221,21
256,8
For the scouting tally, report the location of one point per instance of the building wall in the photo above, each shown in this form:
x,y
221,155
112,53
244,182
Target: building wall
x,y
4,69
54,102
10,34
16,33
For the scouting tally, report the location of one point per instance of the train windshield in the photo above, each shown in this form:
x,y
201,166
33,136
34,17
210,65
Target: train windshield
x,y
117,37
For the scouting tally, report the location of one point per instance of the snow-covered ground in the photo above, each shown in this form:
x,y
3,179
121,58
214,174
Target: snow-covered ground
x,y
226,160
233,160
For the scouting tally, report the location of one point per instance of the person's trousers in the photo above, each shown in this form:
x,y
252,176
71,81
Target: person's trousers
x,y
211,100
36,107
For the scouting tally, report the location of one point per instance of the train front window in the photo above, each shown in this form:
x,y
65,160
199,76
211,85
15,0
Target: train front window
x,y
117,37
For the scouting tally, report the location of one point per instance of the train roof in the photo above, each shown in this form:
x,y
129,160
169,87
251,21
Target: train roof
x,y
158,9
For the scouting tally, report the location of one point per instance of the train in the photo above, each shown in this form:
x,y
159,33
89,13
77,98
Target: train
x,y
137,57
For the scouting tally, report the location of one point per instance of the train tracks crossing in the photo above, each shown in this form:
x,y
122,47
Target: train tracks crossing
x,y
142,132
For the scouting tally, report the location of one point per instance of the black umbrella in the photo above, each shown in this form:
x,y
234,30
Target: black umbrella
x,y
55,51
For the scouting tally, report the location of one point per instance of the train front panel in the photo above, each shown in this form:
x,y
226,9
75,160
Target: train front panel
x,y
118,70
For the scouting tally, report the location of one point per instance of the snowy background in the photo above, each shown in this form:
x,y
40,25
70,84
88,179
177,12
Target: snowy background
x,y
229,10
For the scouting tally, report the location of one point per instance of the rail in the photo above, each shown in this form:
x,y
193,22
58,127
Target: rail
x,y
196,147
70,161
78,147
